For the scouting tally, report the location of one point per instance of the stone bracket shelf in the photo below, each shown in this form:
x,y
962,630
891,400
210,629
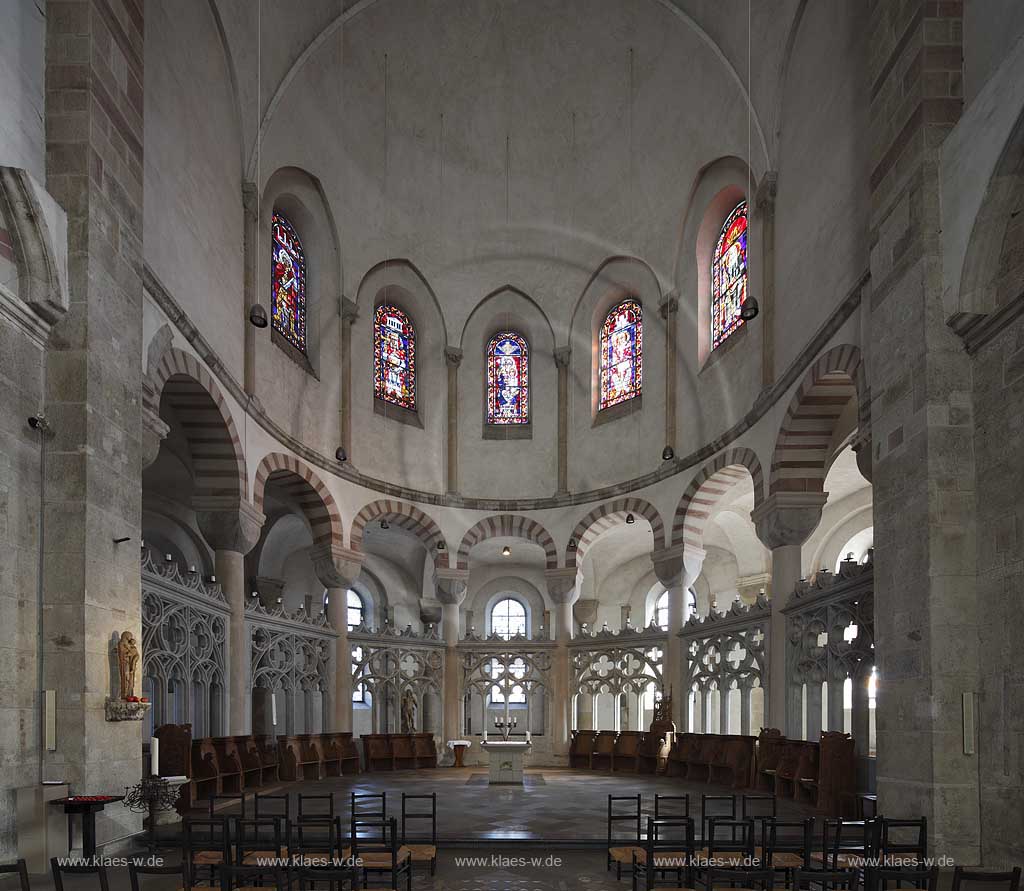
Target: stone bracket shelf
x,y
121,710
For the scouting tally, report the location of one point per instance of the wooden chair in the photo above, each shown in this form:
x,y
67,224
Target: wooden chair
x,y
826,880
253,878
267,806
715,806
886,879
422,852
786,845
259,840
317,840
622,848
719,879
669,847
664,806
337,878
207,846
20,869
757,806
369,805
136,869
1009,880
60,870
222,801
903,843
729,843
316,806
376,848
846,844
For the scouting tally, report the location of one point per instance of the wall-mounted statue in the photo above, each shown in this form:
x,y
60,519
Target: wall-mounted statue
x,y
662,720
127,664
408,712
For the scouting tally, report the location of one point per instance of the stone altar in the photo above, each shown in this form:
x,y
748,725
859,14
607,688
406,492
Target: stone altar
x,y
506,760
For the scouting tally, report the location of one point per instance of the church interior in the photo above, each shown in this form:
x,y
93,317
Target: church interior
x,y
497,444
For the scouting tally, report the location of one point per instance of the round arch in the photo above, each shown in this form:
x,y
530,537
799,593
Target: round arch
x,y
508,526
404,516
606,516
710,484
307,491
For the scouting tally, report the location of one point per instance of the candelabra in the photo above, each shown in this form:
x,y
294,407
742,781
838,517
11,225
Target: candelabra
x,y
152,794
505,727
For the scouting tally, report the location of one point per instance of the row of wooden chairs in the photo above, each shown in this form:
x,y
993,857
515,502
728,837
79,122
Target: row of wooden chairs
x,y
271,819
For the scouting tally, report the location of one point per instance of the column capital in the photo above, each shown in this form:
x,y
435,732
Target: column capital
x,y
562,356
669,305
250,199
228,523
450,585
766,192
788,518
154,432
862,448
269,589
561,585
349,310
678,565
335,566
452,356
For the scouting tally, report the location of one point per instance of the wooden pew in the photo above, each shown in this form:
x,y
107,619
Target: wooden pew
x,y
377,752
626,753
581,747
403,750
248,755
270,757
654,749
604,750
425,749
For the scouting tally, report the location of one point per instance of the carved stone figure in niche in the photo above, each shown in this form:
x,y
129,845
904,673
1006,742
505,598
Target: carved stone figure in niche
x,y
127,664
408,712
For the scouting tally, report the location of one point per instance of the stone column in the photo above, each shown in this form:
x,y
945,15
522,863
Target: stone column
x,y
669,309
232,531
252,255
677,568
562,357
784,521
925,513
453,358
764,203
860,715
92,478
337,568
563,590
450,587
348,316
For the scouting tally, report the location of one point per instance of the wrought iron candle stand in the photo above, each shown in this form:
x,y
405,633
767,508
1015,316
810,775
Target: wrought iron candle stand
x,y
506,727
152,795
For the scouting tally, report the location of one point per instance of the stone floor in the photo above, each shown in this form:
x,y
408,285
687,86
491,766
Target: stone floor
x,y
559,805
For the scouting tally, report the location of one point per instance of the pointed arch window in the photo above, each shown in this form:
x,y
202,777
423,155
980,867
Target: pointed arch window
x,y
621,356
729,276
394,357
508,379
288,283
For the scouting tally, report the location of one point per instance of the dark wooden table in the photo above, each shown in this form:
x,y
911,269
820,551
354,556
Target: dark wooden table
x,y
88,806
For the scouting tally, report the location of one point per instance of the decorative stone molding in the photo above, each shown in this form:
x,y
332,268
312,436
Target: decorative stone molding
x,y
585,611
629,634
450,585
38,233
255,608
389,631
121,710
189,580
154,432
452,356
563,356
678,565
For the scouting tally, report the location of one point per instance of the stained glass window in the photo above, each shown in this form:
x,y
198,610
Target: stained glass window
x,y
621,359
729,276
394,357
288,283
508,379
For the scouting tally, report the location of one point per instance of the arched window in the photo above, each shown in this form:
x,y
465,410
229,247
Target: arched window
x,y
729,275
394,357
621,357
288,283
356,609
661,612
508,618
508,379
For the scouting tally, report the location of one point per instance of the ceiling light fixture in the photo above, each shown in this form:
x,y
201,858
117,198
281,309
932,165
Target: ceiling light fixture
x,y
384,524
630,519
668,453
258,316
340,454
506,551
441,546
749,309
